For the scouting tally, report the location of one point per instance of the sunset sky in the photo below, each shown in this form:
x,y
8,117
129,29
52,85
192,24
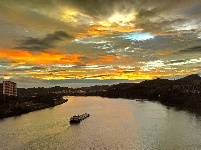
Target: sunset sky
x,y
86,42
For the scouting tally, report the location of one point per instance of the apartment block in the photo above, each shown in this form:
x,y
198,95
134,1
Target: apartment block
x,y
8,88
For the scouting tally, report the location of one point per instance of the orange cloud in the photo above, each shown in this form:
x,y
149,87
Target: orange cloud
x,y
51,57
107,58
103,74
14,63
98,30
115,28
105,67
93,31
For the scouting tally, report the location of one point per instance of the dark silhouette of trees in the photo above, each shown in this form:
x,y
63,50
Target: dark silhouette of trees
x,y
179,93
12,106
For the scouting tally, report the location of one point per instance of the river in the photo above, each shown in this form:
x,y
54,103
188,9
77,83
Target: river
x,y
114,124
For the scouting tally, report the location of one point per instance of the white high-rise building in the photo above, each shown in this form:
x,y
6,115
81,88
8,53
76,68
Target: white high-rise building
x,y
8,88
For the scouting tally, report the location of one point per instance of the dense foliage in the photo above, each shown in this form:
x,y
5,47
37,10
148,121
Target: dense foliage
x,y
11,105
168,92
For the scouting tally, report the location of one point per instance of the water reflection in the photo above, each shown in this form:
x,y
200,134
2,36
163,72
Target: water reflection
x,y
113,124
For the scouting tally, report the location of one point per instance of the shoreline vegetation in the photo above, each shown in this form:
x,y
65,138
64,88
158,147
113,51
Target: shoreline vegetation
x,y
15,106
186,102
181,94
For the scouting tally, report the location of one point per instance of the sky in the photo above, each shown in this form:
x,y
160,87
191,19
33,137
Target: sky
x,y
95,42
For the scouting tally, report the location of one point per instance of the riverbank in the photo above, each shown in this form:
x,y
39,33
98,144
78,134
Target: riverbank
x,y
181,101
28,106
178,100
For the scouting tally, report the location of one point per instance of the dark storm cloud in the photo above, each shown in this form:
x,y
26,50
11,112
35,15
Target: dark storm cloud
x,y
36,44
193,10
152,15
97,8
144,13
163,26
177,61
80,65
26,69
195,49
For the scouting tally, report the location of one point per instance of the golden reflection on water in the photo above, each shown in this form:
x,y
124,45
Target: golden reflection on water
x,y
113,124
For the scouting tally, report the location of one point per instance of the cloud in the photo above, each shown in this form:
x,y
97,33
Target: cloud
x,y
114,39
48,42
137,36
148,13
23,69
192,10
195,49
47,58
176,61
108,58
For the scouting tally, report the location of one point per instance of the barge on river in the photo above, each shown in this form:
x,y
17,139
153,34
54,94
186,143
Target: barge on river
x,y
78,118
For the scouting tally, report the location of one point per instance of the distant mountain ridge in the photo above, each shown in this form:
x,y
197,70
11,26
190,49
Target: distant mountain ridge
x,y
190,79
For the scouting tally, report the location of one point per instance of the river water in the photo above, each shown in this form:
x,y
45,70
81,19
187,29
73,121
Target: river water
x,y
114,124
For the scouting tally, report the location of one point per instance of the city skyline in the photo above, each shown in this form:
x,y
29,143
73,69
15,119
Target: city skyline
x,y
82,43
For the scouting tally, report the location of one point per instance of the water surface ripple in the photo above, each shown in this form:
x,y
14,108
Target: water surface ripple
x,y
114,124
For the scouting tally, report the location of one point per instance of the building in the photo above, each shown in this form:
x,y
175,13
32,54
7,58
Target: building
x,y
8,88
1,89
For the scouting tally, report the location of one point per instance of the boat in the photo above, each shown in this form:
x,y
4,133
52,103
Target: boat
x,y
75,119
78,118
